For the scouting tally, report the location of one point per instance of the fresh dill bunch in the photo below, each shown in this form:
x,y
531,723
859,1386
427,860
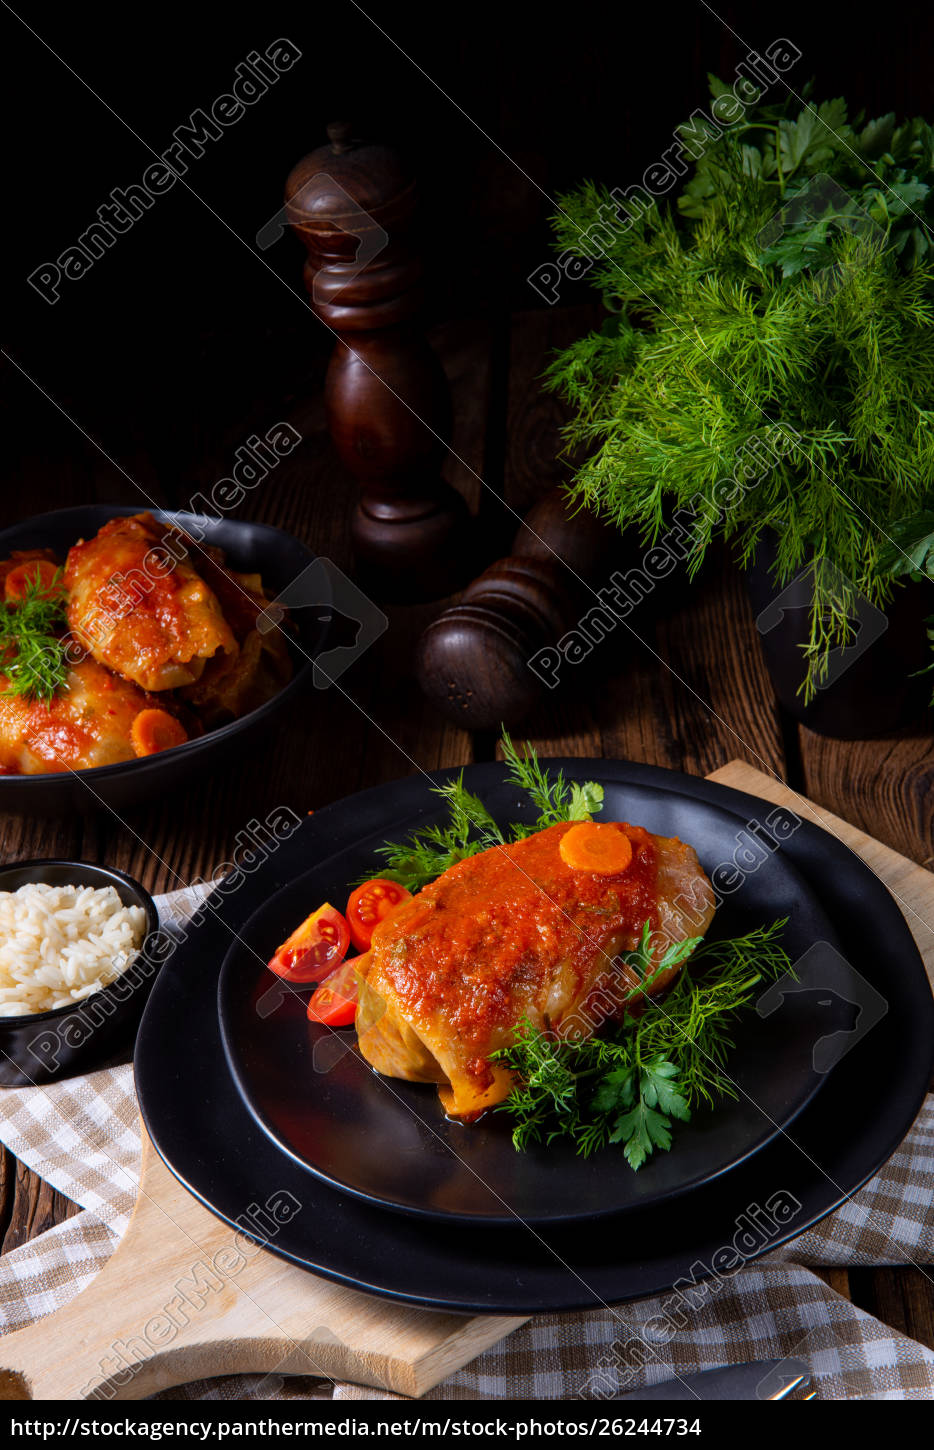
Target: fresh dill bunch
x,y
470,828
627,1084
32,653
793,285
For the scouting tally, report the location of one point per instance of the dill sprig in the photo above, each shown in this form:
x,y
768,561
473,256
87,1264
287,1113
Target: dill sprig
x,y
470,827
555,798
626,1085
430,851
32,653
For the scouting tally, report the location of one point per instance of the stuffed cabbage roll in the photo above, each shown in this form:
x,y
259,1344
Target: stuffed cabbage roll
x,y
137,601
515,933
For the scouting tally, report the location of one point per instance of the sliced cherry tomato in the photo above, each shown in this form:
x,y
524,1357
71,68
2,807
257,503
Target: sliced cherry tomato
x,y
42,574
369,904
315,948
335,1002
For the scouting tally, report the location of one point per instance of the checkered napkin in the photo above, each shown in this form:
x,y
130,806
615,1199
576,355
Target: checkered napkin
x,y
82,1137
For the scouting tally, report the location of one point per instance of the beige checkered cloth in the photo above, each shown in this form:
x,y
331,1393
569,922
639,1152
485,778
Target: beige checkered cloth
x,y
82,1137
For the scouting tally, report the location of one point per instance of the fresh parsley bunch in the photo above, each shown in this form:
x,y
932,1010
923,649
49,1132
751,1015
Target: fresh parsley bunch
x,y
759,302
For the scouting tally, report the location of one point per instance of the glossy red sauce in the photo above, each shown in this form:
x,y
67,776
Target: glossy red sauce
x,y
131,577
482,939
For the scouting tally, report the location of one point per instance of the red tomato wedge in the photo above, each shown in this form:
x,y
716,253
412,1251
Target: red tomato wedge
x,y
335,1002
368,905
314,949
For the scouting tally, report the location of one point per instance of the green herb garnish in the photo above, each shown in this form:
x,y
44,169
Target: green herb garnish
x,y
470,829
555,798
640,960
32,652
428,852
625,1086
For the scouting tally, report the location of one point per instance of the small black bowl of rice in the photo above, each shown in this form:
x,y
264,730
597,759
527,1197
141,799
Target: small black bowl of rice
x,y
79,948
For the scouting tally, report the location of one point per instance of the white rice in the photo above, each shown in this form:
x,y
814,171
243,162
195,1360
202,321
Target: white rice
x,y
59,944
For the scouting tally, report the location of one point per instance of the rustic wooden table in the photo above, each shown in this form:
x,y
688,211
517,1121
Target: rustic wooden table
x,y
700,699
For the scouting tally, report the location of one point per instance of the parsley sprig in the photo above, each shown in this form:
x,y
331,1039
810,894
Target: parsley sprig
x,y
32,654
470,827
627,1085
640,960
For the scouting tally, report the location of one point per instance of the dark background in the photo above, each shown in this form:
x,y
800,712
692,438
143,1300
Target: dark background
x,y
170,335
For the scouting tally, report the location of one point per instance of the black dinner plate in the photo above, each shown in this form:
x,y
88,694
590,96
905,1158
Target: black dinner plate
x,y
249,548
389,1142
211,1142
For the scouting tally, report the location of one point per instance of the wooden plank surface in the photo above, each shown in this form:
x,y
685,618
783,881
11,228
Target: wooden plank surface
x,y
910,884
689,693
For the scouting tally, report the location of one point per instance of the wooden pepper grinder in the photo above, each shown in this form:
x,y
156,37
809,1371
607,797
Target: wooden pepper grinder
x,y
387,399
473,660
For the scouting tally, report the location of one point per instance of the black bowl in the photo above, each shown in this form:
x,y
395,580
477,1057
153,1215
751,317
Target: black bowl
x,y
78,1038
249,548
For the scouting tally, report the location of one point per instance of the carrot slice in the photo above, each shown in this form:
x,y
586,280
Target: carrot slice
x,y
155,730
590,846
40,572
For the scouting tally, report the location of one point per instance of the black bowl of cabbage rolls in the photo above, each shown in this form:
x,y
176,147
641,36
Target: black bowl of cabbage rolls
x,y
142,648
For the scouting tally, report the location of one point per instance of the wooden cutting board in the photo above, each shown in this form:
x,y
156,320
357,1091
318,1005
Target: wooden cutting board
x,y
138,1327
184,1296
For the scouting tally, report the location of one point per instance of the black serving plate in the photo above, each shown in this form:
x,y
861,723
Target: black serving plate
x,y
249,548
389,1142
212,1143
81,1036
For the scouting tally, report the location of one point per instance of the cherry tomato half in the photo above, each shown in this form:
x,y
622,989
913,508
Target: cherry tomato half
x,y
368,905
315,948
335,1002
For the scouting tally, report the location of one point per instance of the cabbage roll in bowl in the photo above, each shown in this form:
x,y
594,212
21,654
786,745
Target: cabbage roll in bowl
x,y
134,640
